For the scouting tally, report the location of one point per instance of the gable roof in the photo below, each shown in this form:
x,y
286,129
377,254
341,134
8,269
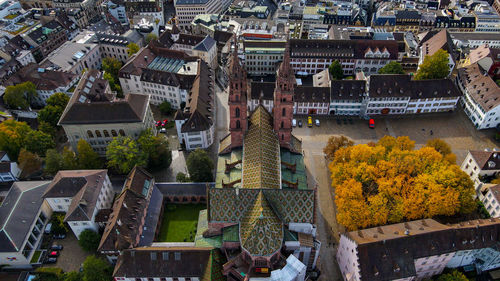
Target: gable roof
x,y
486,160
68,183
43,80
205,45
480,87
441,40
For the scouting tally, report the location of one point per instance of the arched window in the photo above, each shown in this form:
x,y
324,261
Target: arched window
x,y
113,133
238,125
106,134
282,137
283,113
237,112
89,133
98,134
122,132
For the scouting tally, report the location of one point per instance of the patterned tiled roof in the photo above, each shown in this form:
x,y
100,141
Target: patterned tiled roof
x,y
261,153
261,232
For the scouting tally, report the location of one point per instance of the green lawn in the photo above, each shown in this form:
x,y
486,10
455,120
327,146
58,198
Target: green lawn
x,y
179,225
36,256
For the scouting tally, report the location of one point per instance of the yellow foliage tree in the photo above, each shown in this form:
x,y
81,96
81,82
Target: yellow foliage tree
x,y
390,182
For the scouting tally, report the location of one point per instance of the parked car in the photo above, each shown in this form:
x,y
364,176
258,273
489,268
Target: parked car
x,y
300,123
53,254
163,130
309,122
59,236
294,123
56,247
48,228
51,260
158,123
316,122
371,124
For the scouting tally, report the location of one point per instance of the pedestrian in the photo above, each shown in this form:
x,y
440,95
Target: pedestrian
x,y
432,132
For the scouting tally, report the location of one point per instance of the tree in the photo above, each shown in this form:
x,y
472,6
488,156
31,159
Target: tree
x,y
12,137
58,99
336,71
50,114
150,37
111,65
200,166
132,48
69,160
38,142
455,275
439,145
434,67
166,108
87,157
49,274
20,95
47,128
181,177
334,143
156,148
58,225
89,240
96,269
123,154
29,162
73,276
392,68
53,162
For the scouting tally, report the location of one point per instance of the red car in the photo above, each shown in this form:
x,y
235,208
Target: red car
x,y
371,124
53,254
158,123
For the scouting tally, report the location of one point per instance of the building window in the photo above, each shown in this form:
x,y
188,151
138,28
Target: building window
x,y
122,132
106,134
113,133
237,112
238,125
89,133
98,134
283,113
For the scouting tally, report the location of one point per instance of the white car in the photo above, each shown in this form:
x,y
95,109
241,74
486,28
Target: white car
x,y
163,130
294,123
316,122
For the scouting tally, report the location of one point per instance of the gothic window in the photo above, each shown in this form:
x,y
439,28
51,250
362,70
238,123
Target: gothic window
x,y
237,112
113,133
238,125
282,124
89,133
98,134
283,113
106,134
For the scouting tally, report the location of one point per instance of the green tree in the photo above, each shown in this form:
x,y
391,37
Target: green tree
x,y
73,276
156,148
58,99
181,177
132,48
69,159
20,95
434,67
50,114
49,274
96,269
87,157
89,240
336,71
29,163
47,128
53,162
112,82
455,275
150,37
166,108
111,66
392,68
38,142
200,166
123,154
58,225
13,137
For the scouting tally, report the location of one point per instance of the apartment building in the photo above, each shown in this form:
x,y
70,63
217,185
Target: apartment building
x,y
491,201
74,57
487,20
417,250
475,39
46,37
262,57
481,166
81,194
95,114
440,41
115,45
186,10
487,58
347,97
82,11
23,217
480,96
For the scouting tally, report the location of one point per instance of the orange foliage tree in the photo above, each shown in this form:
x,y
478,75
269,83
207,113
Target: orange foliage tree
x,y
390,182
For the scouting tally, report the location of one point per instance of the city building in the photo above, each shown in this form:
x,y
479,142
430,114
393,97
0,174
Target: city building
x,y
81,194
125,225
96,115
491,201
487,19
23,217
73,57
117,10
46,38
473,40
481,166
417,250
441,41
262,57
487,58
9,170
186,10
347,97
83,12
481,96
115,45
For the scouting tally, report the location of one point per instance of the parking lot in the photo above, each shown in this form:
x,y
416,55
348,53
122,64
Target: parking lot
x,y
454,128
71,257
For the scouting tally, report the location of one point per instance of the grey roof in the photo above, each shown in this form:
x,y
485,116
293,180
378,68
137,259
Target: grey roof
x,y
18,212
191,2
183,189
475,36
67,55
152,216
205,45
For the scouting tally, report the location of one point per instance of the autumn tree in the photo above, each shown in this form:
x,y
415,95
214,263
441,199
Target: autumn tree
x,y
444,148
434,67
132,48
334,143
13,137
20,96
29,163
111,66
69,160
455,275
392,68
150,37
390,182
335,70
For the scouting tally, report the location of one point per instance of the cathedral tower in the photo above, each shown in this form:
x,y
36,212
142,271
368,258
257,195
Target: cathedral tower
x,y
237,99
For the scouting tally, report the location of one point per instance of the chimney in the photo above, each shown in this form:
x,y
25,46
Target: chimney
x,y
145,58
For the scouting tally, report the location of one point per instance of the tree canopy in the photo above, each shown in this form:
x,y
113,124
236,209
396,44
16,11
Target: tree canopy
x,y
123,153
87,157
20,95
13,137
29,163
53,162
334,143
156,149
455,275
111,67
392,68
89,240
200,166
335,70
166,108
150,37
132,48
58,99
434,67
38,142
389,182
96,269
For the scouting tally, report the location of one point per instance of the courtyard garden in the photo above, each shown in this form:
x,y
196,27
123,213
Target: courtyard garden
x,y
179,222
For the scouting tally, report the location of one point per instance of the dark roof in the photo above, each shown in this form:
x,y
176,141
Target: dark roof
x,y
18,212
66,184
190,2
486,160
166,39
205,45
184,189
408,14
42,79
222,36
312,94
103,215
387,253
347,89
401,85
262,89
137,179
5,166
340,48
40,34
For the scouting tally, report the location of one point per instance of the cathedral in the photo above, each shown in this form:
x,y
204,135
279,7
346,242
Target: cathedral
x,y
261,204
